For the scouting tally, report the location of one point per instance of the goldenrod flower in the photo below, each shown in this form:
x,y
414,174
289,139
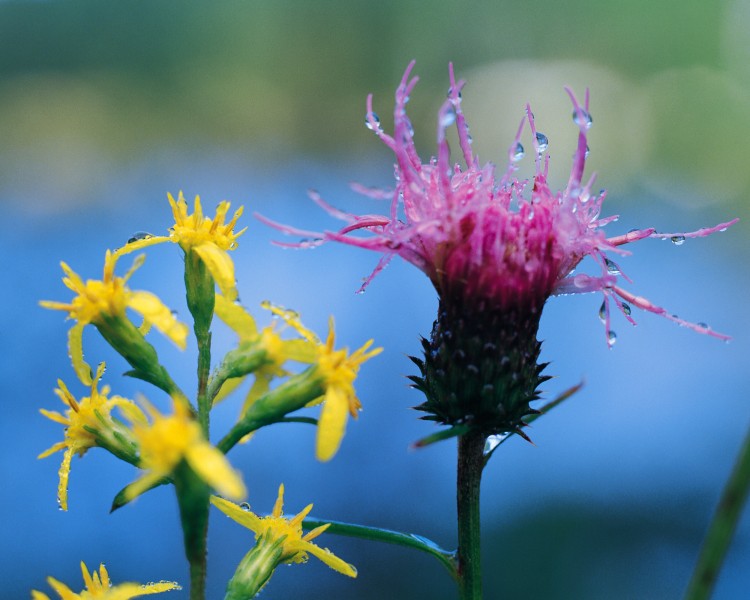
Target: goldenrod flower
x,y
98,586
103,303
88,423
338,369
209,238
287,531
168,440
276,350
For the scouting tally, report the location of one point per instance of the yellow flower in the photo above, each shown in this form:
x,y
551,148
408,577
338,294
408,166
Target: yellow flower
x,y
103,303
339,370
209,238
295,545
168,440
88,423
277,350
98,586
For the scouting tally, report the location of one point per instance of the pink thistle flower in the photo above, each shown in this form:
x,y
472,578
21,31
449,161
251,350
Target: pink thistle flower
x,y
495,248
494,242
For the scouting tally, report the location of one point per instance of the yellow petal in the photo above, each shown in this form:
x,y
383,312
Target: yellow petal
x,y
331,424
260,386
87,580
36,595
62,590
236,317
301,351
214,468
138,244
135,489
328,558
154,311
52,449
244,517
75,350
55,416
313,533
64,472
278,507
228,387
220,265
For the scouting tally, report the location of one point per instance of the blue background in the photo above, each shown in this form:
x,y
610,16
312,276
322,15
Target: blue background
x,y
105,108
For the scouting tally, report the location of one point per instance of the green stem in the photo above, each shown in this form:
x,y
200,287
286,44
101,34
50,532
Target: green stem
x,y
204,368
722,527
410,540
193,499
470,465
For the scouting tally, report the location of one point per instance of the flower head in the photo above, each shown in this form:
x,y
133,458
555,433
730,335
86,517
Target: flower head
x,y
295,545
488,242
338,370
98,586
103,303
88,422
276,350
168,440
210,239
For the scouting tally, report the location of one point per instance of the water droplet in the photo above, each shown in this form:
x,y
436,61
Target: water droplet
x,y
626,308
450,93
518,152
678,240
582,118
448,117
542,141
603,312
139,235
470,139
611,337
703,325
588,151
612,267
372,121
633,230
493,442
245,506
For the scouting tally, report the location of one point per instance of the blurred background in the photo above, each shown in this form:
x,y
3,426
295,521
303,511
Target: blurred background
x,y
105,107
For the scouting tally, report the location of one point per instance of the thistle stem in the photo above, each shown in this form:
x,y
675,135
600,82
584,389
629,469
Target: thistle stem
x,y
722,527
470,465
204,368
193,499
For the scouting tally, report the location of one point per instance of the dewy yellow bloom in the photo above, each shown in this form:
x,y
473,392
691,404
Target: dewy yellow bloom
x,y
277,350
88,423
209,238
103,303
296,546
168,440
339,370
99,587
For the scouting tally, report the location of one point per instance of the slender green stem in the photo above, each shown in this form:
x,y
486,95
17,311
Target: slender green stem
x,y
722,527
469,478
193,499
410,540
204,368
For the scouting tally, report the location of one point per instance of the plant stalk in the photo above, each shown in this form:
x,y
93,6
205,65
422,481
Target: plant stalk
x,y
469,477
722,527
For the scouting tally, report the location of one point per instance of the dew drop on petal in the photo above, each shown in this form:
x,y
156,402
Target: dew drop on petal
x,y
603,312
611,337
139,235
518,152
612,267
678,240
372,121
448,118
703,325
588,151
245,506
582,118
626,308
542,141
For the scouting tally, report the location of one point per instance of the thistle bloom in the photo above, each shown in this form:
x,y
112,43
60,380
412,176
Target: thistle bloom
x,y
338,369
168,441
210,239
282,532
495,249
99,586
103,303
88,422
